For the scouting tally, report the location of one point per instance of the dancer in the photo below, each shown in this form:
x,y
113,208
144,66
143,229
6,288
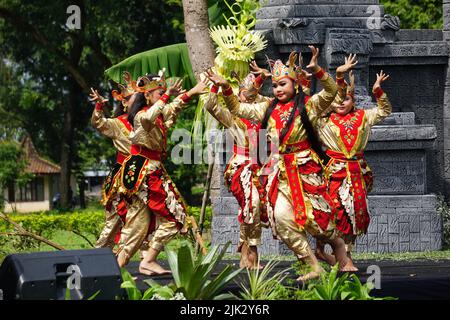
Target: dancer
x,y
156,204
240,172
345,132
296,190
349,63
118,129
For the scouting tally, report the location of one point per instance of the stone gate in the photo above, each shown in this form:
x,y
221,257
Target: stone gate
x,y
409,152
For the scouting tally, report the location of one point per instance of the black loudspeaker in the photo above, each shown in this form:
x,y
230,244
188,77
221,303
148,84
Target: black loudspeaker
x,y
52,275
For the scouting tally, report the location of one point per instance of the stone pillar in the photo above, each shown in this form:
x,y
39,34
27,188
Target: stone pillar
x,y
446,115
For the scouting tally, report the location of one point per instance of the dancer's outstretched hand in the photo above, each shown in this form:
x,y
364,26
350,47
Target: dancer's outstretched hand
x,y
175,88
216,79
314,64
305,75
199,88
258,70
381,77
349,63
96,97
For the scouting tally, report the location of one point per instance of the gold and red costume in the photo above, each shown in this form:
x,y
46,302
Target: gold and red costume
x,y
350,177
156,204
118,130
296,190
240,172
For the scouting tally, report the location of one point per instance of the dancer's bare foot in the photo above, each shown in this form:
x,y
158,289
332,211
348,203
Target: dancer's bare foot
x,y
340,253
323,256
349,267
253,260
152,269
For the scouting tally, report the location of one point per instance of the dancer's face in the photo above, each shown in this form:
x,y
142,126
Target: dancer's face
x,y
283,89
154,96
345,107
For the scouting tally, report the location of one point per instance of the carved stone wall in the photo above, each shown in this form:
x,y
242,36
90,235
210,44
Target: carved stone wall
x,y
409,152
423,94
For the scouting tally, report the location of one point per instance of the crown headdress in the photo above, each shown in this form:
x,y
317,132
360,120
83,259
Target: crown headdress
x,y
124,90
279,70
148,84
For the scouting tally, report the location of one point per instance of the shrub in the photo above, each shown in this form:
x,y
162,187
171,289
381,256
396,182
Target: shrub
x,y
83,223
262,287
193,274
331,287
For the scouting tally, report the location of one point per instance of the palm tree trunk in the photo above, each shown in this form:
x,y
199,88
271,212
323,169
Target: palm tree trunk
x,y
196,26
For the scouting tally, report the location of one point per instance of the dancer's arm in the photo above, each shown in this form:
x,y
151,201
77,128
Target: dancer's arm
x,y
384,106
322,100
223,115
252,111
171,110
350,63
106,126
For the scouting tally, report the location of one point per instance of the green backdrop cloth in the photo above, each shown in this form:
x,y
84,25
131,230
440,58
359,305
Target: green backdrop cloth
x,y
175,58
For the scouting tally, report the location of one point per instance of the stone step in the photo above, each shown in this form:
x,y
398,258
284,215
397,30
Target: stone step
x,y
400,118
403,132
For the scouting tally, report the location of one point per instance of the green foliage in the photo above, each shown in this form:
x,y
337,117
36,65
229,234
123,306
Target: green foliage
x,y
332,287
155,292
416,14
195,212
46,69
12,166
84,223
262,287
133,293
443,209
193,275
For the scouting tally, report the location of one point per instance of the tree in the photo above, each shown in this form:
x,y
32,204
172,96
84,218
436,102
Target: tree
x,y
55,65
196,26
416,14
12,167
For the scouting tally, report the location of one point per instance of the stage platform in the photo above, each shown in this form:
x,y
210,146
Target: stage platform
x,y
406,280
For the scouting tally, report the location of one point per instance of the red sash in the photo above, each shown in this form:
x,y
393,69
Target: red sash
x,y
340,156
147,153
295,182
120,157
